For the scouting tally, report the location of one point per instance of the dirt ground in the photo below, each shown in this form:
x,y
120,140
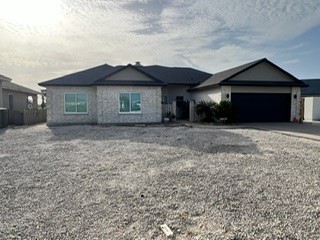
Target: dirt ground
x,y
95,182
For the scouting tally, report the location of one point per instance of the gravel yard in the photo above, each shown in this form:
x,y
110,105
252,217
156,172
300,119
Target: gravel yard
x,y
94,182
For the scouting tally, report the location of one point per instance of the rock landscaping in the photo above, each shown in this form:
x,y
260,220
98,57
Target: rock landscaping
x,y
95,182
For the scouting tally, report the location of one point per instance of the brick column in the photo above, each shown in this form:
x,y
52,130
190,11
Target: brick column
x,y
295,103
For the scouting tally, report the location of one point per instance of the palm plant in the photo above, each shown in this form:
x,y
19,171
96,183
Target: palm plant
x,y
207,109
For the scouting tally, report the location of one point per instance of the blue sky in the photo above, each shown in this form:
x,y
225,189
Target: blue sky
x,y
40,40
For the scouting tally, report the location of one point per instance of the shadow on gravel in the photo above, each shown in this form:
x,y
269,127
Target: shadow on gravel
x,y
201,140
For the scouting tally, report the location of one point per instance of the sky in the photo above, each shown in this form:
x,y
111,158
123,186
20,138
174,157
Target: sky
x,y
44,39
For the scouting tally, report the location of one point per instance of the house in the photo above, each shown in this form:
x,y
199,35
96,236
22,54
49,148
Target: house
x,y
135,93
261,91
15,97
118,94
311,99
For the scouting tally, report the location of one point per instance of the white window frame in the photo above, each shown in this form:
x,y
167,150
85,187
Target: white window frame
x,y
130,112
64,103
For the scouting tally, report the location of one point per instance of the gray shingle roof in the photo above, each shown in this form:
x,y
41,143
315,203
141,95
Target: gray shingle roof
x,y
222,78
16,87
161,76
82,78
4,78
312,89
177,75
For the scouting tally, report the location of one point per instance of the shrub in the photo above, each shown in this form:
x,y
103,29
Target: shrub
x,y
207,109
226,109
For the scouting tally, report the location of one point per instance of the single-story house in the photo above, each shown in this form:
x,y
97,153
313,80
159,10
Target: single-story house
x,y
15,97
261,90
311,99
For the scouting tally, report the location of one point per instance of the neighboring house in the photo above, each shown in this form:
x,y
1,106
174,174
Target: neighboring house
x,y
311,99
15,97
135,93
261,91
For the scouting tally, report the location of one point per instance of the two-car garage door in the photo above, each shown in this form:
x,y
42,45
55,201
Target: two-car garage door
x,y
262,107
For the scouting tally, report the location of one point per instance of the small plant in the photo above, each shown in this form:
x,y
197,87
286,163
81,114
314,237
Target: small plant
x,y
169,116
207,109
226,109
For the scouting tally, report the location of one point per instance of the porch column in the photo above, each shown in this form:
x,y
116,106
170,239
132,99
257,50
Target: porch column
x,y
295,103
191,111
174,108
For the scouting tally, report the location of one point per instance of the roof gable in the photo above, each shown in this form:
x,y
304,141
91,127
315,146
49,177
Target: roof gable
x,y
261,72
129,75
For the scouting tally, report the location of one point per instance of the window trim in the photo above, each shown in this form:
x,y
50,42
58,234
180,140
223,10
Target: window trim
x,y
77,113
130,112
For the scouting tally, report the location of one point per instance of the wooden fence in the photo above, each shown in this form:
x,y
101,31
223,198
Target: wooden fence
x,y
15,117
34,116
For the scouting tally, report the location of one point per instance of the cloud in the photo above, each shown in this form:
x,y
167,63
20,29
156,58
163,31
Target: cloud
x,y
209,35
291,61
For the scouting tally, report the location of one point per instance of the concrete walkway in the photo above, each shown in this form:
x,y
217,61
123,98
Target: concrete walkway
x,y
308,130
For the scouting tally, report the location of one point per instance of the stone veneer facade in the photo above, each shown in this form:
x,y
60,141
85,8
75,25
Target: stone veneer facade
x,y
108,105
55,106
103,105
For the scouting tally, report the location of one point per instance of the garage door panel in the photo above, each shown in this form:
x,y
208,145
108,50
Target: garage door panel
x,y
262,107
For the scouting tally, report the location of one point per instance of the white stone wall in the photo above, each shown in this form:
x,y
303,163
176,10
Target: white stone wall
x,y
213,94
108,105
225,93
55,106
295,103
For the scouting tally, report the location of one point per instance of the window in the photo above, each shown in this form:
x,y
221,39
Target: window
x,y
10,101
129,103
75,103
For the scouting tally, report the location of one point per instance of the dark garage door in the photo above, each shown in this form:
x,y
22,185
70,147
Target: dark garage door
x,y
262,107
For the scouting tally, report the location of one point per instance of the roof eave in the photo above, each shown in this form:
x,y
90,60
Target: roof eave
x,y
262,83
203,88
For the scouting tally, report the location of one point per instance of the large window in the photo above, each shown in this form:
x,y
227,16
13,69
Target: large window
x,y
75,103
129,103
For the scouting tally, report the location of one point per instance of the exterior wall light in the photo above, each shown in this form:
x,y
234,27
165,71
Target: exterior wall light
x,y
227,95
295,96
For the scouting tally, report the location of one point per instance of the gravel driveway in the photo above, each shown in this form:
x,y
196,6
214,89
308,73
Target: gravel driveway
x,y
94,182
